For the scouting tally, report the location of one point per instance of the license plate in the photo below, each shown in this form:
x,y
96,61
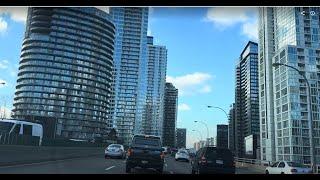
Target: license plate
x,y
144,162
219,162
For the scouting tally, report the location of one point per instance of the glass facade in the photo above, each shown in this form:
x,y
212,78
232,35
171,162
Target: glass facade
x,y
246,99
157,64
130,58
65,71
170,115
297,45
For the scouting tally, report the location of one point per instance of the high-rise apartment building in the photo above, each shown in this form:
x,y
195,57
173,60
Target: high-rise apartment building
x,y
232,129
170,115
65,72
130,58
289,35
222,136
181,138
246,97
157,65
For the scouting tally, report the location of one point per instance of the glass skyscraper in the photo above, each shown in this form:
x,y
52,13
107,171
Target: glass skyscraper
x,y
130,58
246,99
289,35
65,71
157,65
170,115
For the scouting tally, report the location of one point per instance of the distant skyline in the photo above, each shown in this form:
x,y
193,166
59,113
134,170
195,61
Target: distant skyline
x,y
203,45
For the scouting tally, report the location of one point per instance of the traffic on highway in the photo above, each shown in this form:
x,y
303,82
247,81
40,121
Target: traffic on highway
x,y
145,155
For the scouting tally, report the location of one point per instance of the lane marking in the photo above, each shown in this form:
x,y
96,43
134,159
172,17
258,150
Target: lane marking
x,y
109,168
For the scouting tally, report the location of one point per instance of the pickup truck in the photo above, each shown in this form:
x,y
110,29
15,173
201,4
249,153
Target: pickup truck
x,y
145,151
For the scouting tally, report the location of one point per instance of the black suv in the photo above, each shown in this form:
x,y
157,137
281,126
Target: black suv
x,y
146,152
213,160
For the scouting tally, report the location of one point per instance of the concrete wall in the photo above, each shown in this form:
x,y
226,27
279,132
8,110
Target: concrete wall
x,y
13,155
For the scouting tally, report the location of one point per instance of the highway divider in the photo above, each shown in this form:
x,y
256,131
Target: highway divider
x,y
16,155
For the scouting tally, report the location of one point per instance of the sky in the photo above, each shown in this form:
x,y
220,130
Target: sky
x,y
204,45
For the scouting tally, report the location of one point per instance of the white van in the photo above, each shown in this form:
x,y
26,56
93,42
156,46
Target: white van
x,y
22,128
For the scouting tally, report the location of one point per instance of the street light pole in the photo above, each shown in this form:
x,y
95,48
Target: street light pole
x,y
199,133
227,119
309,112
207,129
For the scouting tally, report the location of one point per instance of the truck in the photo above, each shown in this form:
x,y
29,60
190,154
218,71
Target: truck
x,y
145,151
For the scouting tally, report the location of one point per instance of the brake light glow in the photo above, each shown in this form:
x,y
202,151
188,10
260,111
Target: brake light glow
x,y
130,151
203,159
162,155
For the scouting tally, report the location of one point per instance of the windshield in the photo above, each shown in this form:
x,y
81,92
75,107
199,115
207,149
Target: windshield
x,y
115,146
146,141
5,126
294,164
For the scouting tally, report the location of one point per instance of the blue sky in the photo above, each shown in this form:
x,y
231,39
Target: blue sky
x,y
203,47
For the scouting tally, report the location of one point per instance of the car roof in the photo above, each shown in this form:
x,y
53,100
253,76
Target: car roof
x,y
16,121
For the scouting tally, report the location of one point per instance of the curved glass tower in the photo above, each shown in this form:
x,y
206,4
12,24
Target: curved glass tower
x,y
66,72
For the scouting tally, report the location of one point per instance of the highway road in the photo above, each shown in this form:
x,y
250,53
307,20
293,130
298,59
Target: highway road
x,y
99,165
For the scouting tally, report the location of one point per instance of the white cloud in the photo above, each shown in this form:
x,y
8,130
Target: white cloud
x,y
18,14
191,84
4,64
250,29
205,89
224,17
184,107
3,25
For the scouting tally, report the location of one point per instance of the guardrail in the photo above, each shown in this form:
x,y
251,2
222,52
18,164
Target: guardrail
x,y
265,163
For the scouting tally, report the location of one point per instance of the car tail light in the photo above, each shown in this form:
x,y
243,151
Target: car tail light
x,y
203,160
293,170
162,155
130,151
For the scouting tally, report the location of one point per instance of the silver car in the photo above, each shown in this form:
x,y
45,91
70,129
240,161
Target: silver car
x,y
115,150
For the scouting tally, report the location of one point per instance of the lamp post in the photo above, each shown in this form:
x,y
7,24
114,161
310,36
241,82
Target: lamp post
x,y
227,119
199,134
310,119
206,127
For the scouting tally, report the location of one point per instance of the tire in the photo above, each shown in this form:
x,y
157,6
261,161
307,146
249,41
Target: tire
x,y
128,169
193,171
267,172
105,156
160,170
282,172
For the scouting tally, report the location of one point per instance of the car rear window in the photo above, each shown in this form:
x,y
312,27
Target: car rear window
x,y
115,146
147,141
214,153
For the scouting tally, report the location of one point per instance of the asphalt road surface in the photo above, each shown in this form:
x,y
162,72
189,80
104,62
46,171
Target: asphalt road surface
x,y
99,165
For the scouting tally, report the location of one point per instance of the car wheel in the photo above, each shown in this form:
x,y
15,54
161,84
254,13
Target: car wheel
x,y
267,172
282,172
128,169
105,156
160,170
193,171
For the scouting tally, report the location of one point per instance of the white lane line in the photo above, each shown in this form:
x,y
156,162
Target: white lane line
x,y
109,168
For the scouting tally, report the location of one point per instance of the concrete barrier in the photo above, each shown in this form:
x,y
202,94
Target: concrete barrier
x,y
14,155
